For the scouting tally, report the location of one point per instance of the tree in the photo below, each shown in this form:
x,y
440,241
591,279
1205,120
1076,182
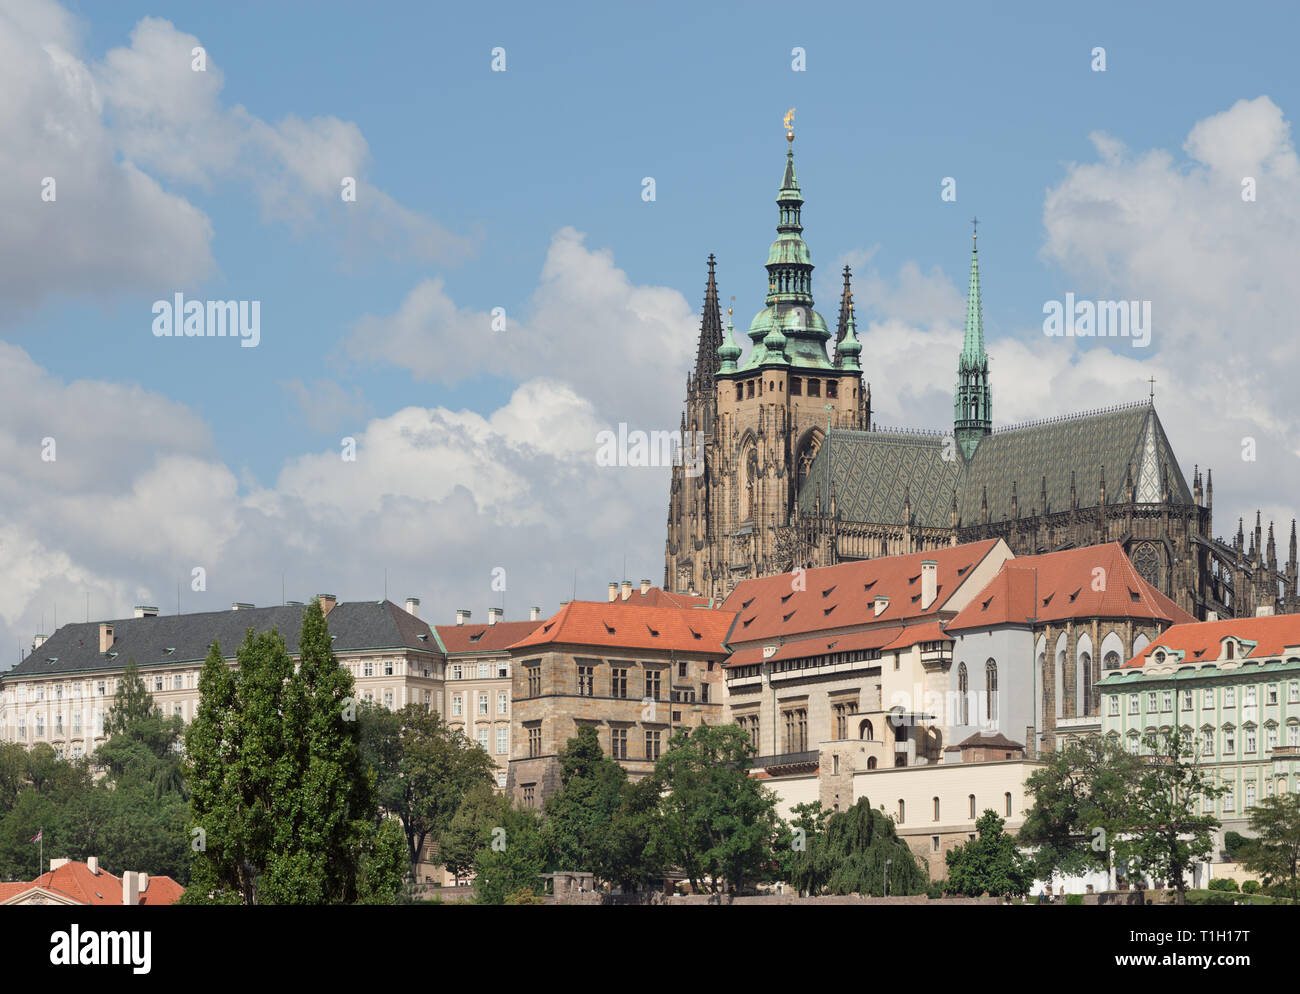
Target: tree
x,y
1162,835
797,851
1080,802
1275,851
282,812
382,867
513,858
989,863
423,769
579,814
626,857
856,851
715,822
470,830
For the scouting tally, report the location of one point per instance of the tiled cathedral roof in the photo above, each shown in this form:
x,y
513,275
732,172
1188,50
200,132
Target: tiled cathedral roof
x,y
874,472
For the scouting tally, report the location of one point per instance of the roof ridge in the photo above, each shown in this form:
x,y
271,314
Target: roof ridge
x,y
1076,416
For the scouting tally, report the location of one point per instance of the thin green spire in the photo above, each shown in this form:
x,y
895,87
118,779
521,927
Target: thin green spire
x,y
973,400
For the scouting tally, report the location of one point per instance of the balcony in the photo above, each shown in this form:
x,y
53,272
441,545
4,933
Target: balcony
x,y
786,761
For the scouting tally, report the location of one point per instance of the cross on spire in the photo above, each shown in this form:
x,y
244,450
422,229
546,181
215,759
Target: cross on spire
x,y
1152,395
975,223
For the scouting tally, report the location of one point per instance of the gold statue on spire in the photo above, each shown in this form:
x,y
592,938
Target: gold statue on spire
x,y
789,125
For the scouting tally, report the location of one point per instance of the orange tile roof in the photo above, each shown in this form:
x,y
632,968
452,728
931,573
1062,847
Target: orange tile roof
x,y
874,638
844,595
484,638
1199,641
909,635
76,881
1063,583
658,597
617,625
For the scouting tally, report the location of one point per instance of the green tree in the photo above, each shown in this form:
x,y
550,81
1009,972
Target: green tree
x,y
423,769
514,857
470,830
579,814
625,856
1274,853
990,863
797,848
1162,835
382,867
1080,802
715,822
856,851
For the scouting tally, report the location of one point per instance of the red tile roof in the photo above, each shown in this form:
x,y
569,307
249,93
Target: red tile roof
x,y
1200,641
484,638
622,626
886,639
77,882
658,597
844,595
1064,589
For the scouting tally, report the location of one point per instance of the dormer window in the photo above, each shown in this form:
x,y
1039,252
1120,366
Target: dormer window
x,y
1160,657
1231,650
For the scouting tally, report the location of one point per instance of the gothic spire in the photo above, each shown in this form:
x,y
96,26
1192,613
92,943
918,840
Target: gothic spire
x,y
706,359
847,355
846,305
972,400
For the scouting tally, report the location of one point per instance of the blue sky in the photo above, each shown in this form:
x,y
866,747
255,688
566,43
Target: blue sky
x,y
596,97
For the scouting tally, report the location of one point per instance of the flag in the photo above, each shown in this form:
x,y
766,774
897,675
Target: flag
x,y
38,836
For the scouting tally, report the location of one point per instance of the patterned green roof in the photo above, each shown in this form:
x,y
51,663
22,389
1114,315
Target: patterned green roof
x,y
872,470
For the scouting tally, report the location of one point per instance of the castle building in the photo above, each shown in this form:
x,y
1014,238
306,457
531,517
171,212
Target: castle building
x,y
796,473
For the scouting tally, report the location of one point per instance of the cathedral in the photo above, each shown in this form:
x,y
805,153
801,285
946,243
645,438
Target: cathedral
x,y
796,473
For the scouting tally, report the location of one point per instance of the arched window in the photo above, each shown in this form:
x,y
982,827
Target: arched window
x,y
936,809
871,762
1111,662
902,811
865,731
1007,798
963,695
972,805
1086,695
991,690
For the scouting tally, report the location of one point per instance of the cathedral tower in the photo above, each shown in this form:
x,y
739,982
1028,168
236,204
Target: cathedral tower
x,y
973,401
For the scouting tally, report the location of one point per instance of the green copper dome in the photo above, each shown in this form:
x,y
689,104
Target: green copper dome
x,y
729,351
850,348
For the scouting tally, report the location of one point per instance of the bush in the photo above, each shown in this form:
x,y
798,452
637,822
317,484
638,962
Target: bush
x,y
1217,898
524,896
1224,884
1250,887
934,889
1074,899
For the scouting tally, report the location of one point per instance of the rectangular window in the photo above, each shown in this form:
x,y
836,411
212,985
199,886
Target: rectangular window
x,y
652,744
99,722
455,671
1114,704
1250,740
58,724
796,729
535,741
618,743
1167,700
99,687
1251,696
503,740
388,699
176,710
1187,700
704,693
501,778
76,722
1151,702
934,843
1293,735
503,670
1272,693
1229,802
1207,743
482,703
1207,698
814,388
455,704
388,667
535,680
1250,796
586,681
178,682
157,683
483,671
428,700
1293,692
796,386
1229,697
1229,742
530,796
832,391
483,737
1271,737
368,668
503,702
22,729
653,684
618,682
1132,703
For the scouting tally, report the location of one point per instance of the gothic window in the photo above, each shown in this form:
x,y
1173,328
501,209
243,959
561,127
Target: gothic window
x,y
1111,662
1085,695
1147,561
796,387
991,690
963,695
751,480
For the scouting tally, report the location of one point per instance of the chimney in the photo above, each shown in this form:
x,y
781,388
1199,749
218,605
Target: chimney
x,y
145,611
462,615
144,881
327,602
645,587
1211,615
613,591
534,614
56,863
130,888
627,589
38,641
105,636
242,606
1264,611
413,606
92,864
495,614
929,583
882,602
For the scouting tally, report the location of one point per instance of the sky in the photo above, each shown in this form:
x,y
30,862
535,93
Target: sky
x,y
519,195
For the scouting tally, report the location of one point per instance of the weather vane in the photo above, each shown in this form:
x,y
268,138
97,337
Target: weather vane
x,y
789,125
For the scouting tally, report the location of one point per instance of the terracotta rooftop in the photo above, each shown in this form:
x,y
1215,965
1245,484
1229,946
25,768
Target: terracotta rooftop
x,y
619,625
844,595
76,882
1200,641
1059,585
484,638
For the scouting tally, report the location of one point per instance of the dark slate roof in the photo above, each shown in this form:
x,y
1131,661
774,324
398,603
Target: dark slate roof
x,y
1084,444
874,471
871,471
355,625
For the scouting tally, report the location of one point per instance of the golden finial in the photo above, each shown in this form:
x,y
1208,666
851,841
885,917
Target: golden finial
x,y
789,125
732,307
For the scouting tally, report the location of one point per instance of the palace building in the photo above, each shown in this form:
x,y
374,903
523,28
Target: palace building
x,y
796,473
